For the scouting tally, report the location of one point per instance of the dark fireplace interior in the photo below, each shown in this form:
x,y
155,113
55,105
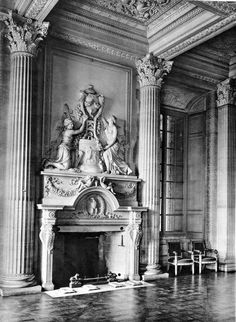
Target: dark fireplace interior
x,y
81,253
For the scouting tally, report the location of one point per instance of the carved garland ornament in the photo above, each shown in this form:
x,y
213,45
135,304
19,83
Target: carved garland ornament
x,y
81,185
152,69
139,9
25,37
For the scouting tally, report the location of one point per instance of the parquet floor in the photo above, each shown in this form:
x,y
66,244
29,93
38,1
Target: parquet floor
x,y
209,297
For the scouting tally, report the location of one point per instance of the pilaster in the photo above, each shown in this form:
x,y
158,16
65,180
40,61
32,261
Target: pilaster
x,y
24,37
151,71
134,231
226,182
47,237
211,151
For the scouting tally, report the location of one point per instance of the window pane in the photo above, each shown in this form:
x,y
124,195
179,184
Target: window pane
x,y
174,206
170,142
174,223
172,171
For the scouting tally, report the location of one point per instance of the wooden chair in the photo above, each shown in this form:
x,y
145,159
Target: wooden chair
x,y
203,255
177,259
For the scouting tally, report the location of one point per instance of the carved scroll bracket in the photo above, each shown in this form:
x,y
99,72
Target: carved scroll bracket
x,y
47,231
134,228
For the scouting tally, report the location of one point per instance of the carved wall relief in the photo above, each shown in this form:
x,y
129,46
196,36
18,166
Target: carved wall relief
x,y
87,141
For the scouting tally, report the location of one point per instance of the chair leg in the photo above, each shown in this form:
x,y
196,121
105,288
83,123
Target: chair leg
x,y
200,268
176,270
193,269
216,267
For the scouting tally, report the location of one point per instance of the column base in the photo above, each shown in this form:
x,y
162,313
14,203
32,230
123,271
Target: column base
x,y
48,286
20,291
135,277
153,272
227,267
17,281
153,277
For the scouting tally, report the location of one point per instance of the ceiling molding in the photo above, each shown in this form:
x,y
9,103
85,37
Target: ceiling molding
x,y
184,18
80,41
101,13
140,10
223,8
36,9
103,27
199,38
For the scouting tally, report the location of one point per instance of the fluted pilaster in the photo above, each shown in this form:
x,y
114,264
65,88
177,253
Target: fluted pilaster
x,y
211,207
151,71
19,205
226,184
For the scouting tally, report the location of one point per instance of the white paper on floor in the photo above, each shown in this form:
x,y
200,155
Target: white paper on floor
x,y
89,288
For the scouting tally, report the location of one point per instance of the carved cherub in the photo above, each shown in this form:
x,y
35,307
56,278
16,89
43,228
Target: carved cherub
x,y
106,186
63,161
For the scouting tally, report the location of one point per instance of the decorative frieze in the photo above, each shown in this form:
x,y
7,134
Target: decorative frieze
x,y
222,6
52,186
152,69
25,37
139,9
226,92
198,38
108,50
39,9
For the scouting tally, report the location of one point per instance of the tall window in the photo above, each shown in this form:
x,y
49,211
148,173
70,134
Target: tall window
x,y
172,171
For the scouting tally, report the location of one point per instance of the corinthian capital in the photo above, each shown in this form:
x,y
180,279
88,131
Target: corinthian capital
x,y
226,92
25,36
151,70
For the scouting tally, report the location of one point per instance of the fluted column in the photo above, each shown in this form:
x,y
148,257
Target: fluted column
x,y
151,71
24,36
211,207
226,175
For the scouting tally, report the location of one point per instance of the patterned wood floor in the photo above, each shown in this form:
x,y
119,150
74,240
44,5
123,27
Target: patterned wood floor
x,y
209,297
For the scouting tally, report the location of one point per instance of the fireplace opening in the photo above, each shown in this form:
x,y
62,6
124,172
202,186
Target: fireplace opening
x,y
81,253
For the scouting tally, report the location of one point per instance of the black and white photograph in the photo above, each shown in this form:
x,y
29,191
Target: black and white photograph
x,y
118,160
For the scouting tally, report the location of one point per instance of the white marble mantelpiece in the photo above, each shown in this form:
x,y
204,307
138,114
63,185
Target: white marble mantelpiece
x,y
67,207
125,187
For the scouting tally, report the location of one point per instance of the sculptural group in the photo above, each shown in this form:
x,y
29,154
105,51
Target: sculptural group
x,y
93,146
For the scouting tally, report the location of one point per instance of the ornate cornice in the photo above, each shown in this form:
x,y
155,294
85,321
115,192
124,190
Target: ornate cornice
x,y
140,9
24,37
226,92
95,45
199,38
185,18
36,9
218,6
105,28
152,69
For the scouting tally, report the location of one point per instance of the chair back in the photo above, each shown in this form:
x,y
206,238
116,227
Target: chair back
x,y
174,247
199,245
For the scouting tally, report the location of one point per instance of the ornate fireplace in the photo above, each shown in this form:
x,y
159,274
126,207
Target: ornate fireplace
x,y
101,205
